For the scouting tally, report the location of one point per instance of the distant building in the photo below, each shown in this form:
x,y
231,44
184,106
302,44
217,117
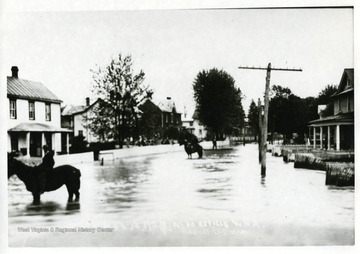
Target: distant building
x,y
194,126
151,120
169,115
247,132
337,131
34,118
75,119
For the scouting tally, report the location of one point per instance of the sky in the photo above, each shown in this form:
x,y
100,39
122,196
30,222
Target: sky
x,y
172,46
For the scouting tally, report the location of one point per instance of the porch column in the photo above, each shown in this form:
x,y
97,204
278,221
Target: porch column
x,y
314,137
28,144
67,142
43,140
328,139
337,137
53,141
321,137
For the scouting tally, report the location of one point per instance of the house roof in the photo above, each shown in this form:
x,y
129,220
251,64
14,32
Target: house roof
x,y
72,110
27,89
167,105
69,110
344,86
37,127
340,118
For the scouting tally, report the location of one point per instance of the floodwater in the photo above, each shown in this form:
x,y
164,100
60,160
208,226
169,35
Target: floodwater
x,y
169,200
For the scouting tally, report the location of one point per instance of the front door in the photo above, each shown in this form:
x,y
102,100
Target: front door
x,y
35,144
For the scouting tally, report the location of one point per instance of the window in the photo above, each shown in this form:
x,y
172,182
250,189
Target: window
x,y
81,133
31,110
167,118
172,117
48,112
349,103
13,109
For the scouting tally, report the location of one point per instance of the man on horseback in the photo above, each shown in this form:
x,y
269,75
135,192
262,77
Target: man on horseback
x,y
46,165
190,142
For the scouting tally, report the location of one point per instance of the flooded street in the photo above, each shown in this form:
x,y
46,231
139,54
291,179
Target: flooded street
x,y
169,200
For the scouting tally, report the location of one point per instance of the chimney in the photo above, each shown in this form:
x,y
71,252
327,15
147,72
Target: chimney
x,y
87,101
14,71
168,98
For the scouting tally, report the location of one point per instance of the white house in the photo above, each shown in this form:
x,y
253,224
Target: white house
x,y
74,118
336,132
194,126
33,118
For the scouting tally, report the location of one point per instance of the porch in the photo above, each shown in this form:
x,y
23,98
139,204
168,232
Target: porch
x,y
333,133
29,138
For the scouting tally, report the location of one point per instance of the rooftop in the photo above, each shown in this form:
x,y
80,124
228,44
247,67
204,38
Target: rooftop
x,y
27,89
345,117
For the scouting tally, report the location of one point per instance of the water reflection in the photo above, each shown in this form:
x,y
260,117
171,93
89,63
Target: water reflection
x,y
119,184
263,182
45,208
50,208
73,207
224,185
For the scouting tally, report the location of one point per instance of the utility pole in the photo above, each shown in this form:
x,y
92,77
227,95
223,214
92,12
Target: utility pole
x,y
260,144
263,120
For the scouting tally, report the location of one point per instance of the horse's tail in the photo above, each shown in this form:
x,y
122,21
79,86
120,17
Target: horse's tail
x,y
76,180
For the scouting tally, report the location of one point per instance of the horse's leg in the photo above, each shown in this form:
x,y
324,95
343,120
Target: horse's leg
x,y
77,196
76,191
70,191
200,152
71,194
36,200
73,188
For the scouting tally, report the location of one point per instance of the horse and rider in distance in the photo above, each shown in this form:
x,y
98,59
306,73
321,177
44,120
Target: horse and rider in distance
x,y
44,177
191,144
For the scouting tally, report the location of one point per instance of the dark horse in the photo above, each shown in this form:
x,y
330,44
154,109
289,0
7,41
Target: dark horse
x,y
191,144
56,177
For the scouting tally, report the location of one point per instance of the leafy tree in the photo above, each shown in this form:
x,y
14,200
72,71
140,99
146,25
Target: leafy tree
x,y
253,118
218,101
280,92
122,91
100,122
325,98
287,113
311,107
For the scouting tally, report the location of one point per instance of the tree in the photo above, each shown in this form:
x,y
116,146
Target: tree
x,y
95,121
253,118
218,101
288,113
325,98
121,91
